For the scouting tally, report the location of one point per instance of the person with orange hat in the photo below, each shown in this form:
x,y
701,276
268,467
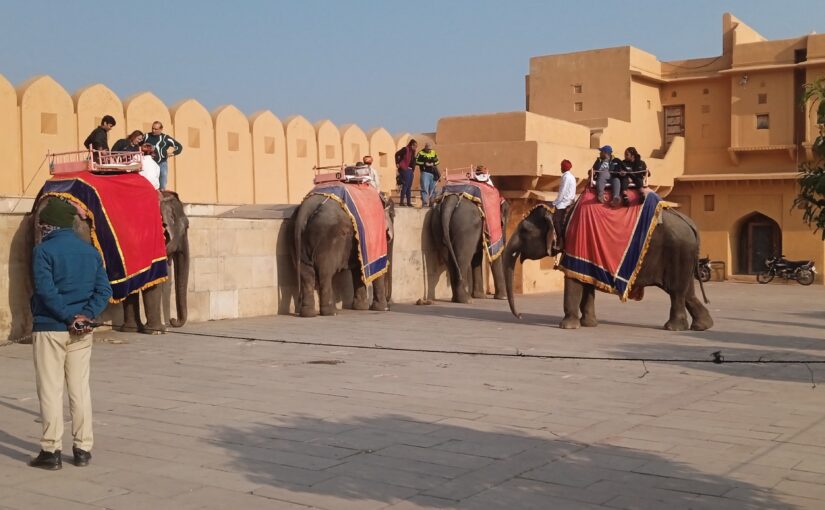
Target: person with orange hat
x,y
373,175
565,198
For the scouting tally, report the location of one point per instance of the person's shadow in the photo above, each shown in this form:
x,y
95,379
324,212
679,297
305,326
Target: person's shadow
x,y
12,446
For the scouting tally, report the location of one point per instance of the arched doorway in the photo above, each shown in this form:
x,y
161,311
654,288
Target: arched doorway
x,y
759,237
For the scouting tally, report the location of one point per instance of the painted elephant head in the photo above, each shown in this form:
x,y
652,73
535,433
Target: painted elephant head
x,y
533,239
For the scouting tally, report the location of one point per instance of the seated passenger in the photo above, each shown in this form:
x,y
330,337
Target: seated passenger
x,y
606,170
481,174
151,169
129,144
635,171
373,175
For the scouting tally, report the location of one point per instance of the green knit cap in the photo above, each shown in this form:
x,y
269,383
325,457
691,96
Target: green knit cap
x,y
58,213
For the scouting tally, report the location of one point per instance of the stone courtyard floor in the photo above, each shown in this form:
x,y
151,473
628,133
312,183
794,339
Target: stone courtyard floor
x,y
199,419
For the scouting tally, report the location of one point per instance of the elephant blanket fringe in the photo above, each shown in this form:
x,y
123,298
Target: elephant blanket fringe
x,y
127,228
488,200
363,205
605,246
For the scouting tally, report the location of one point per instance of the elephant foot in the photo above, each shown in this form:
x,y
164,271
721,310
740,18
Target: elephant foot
x,y
130,328
153,329
676,325
589,322
501,296
570,323
328,311
479,295
360,305
308,312
462,299
701,325
379,307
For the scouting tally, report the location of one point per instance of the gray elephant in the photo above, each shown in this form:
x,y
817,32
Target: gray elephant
x,y
176,226
324,244
670,264
456,222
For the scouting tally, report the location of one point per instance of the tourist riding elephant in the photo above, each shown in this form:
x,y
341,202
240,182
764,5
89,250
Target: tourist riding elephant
x,y
457,225
176,226
670,264
325,244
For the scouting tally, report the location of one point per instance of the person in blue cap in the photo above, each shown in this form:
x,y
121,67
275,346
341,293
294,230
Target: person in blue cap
x,y
606,170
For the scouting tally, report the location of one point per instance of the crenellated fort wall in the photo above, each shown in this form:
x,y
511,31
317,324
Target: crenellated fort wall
x,y
228,158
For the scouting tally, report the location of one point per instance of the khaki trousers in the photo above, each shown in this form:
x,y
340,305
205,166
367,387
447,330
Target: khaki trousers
x,y
59,356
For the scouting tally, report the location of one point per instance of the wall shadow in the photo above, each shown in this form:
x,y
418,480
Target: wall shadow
x,y
386,459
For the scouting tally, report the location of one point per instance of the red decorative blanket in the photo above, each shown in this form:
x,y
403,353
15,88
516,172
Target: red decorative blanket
x,y
366,210
127,225
488,200
605,246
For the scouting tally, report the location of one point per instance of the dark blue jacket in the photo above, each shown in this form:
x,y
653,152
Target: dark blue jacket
x,y
69,280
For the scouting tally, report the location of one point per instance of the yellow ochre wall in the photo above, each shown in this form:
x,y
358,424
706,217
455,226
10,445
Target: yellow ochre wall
x,y
228,157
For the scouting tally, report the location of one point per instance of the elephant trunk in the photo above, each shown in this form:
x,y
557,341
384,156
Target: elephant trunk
x,y
510,254
447,209
181,261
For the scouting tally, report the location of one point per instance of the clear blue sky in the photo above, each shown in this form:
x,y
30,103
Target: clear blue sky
x,y
400,65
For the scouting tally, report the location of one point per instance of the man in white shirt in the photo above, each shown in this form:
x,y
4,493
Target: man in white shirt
x,y
482,174
374,182
565,198
151,169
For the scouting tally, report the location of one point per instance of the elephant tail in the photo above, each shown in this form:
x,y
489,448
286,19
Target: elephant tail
x,y
447,210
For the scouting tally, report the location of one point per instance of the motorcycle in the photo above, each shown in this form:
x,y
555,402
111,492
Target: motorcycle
x,y
803,271
703,271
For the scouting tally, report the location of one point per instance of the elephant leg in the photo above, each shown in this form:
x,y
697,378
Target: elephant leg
x,y
379,295
326,295
697,310
498,279
588,307
152,298
131,314
360,300
462,289
306,293
573,291
678,314
478,276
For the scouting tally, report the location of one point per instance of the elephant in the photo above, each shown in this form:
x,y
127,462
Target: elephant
x,y
457,222
670,264
176,226
324,244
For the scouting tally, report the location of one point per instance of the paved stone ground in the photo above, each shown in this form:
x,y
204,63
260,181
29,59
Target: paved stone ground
x,y
195,421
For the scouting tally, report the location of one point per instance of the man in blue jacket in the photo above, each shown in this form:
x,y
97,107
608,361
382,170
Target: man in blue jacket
x,y
70,289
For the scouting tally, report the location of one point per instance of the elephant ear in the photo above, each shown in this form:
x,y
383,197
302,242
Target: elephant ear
x,y
550,237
